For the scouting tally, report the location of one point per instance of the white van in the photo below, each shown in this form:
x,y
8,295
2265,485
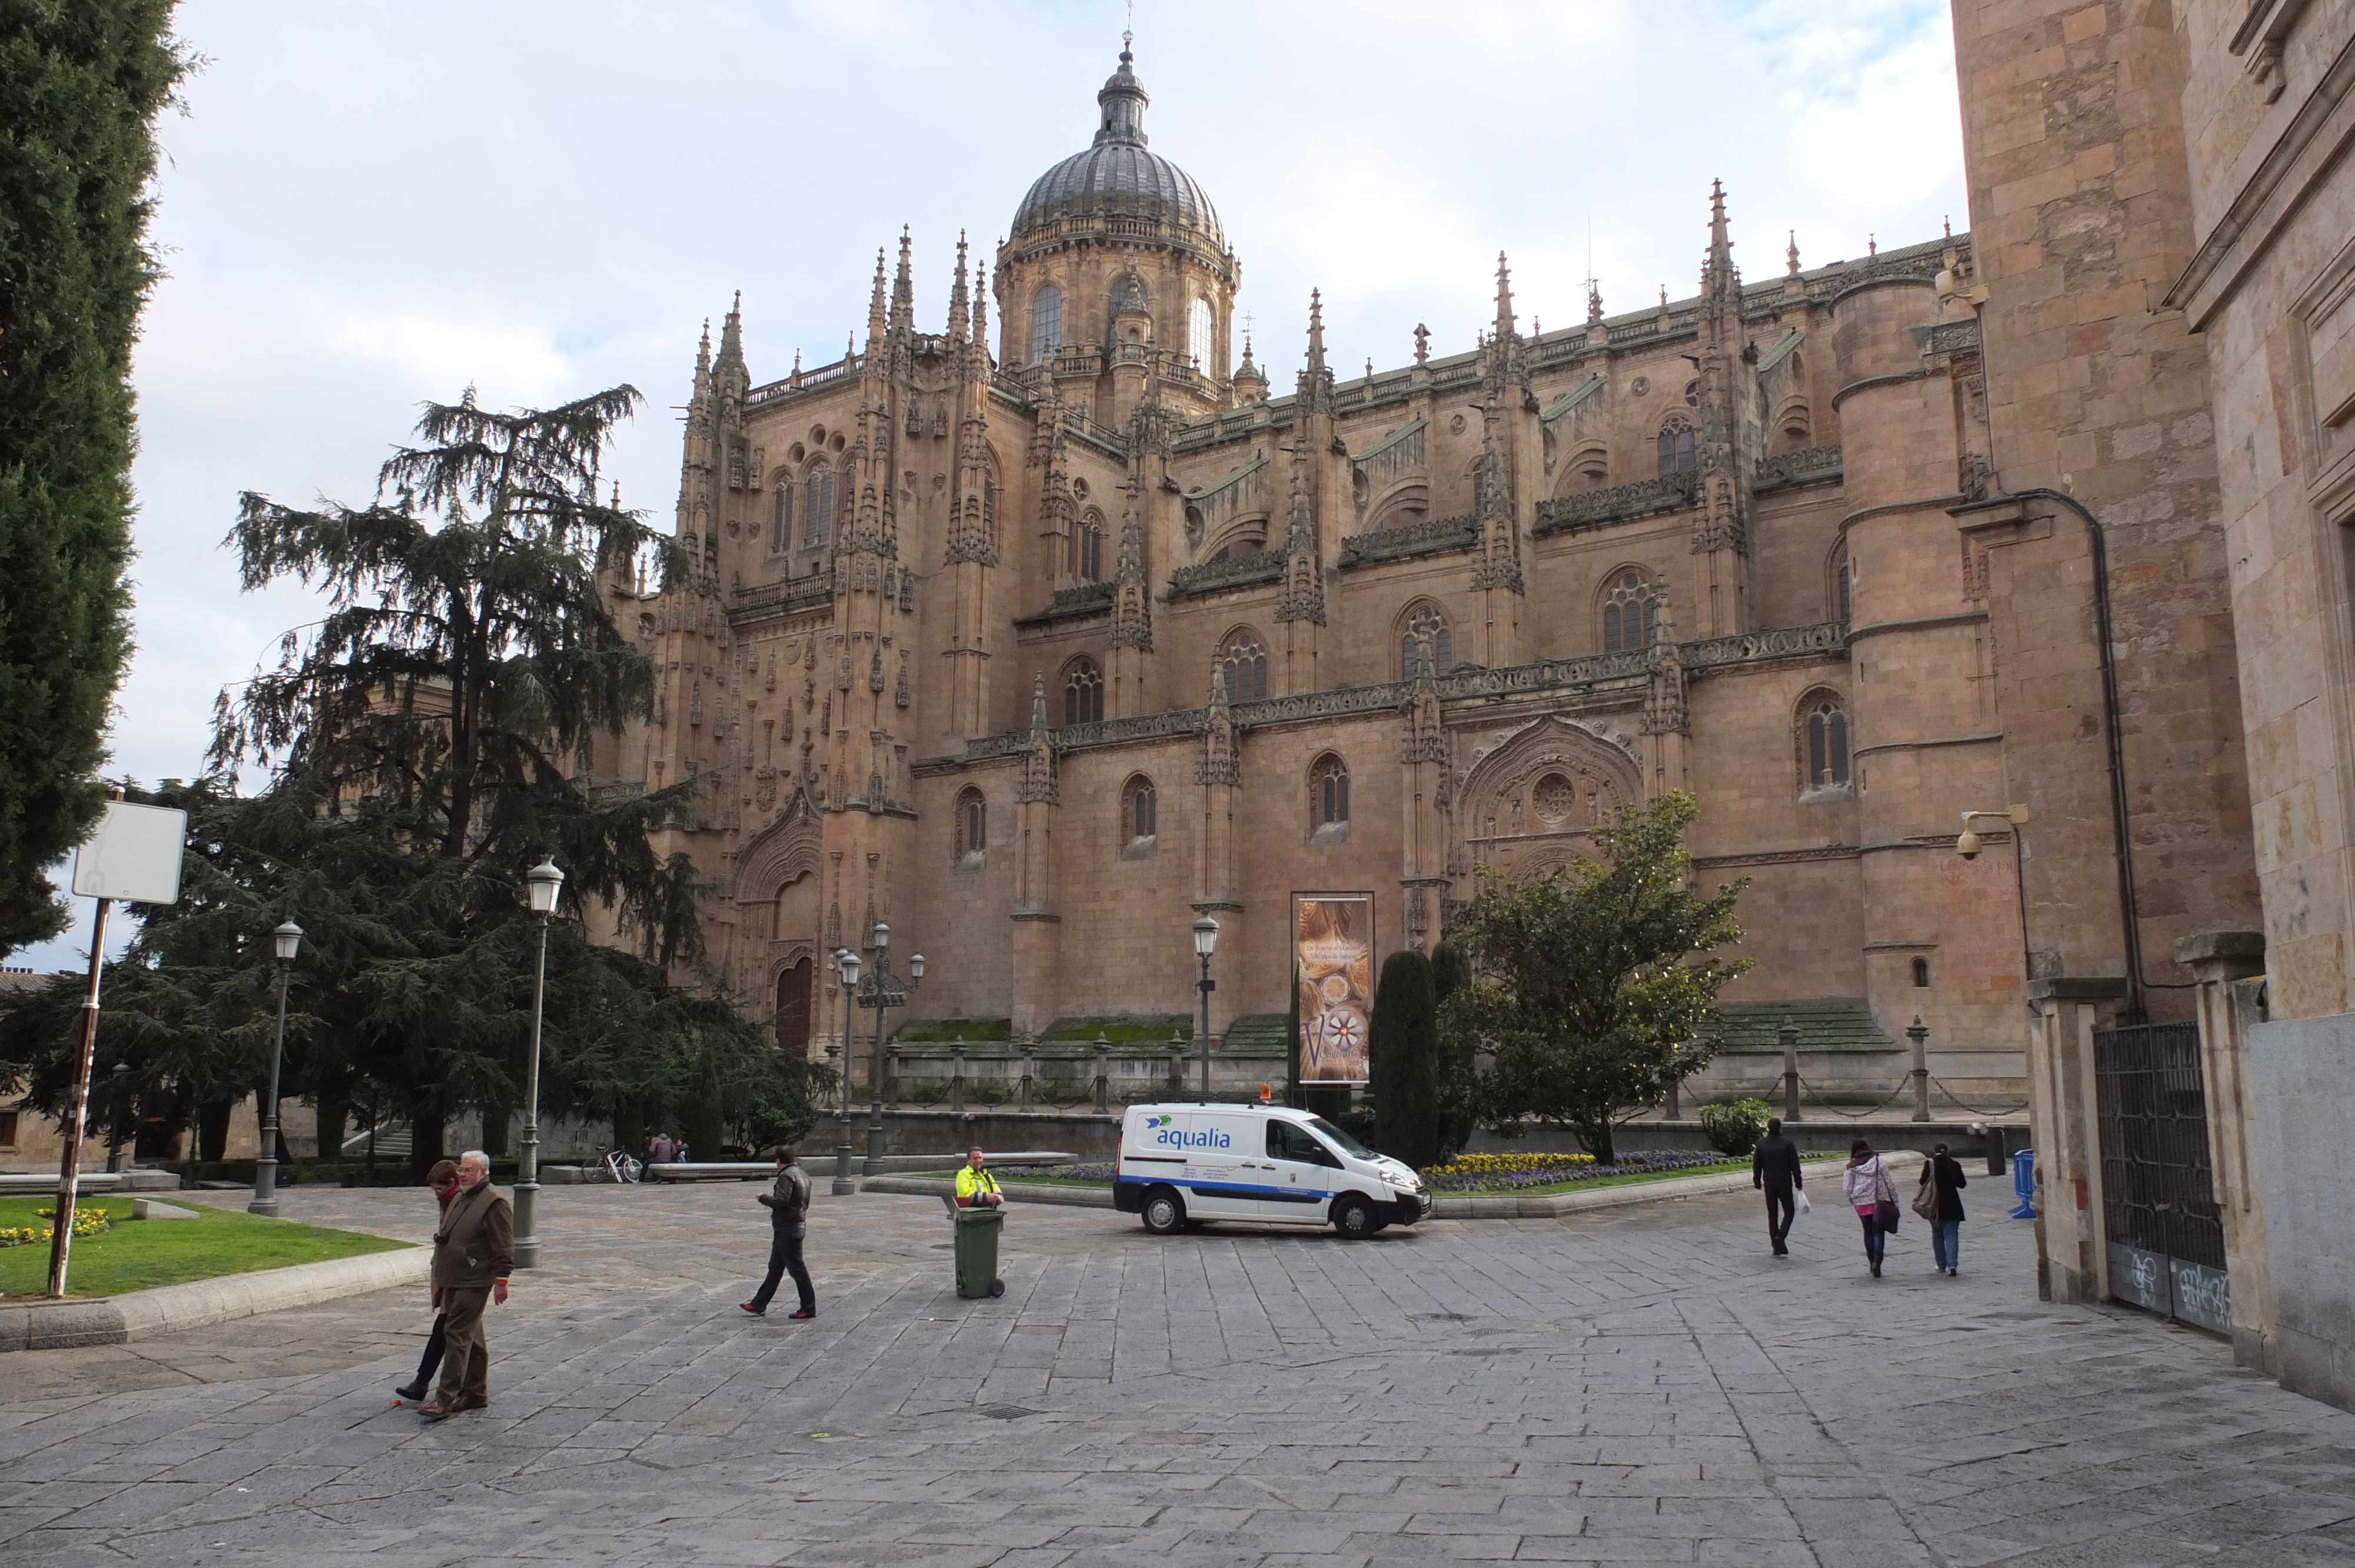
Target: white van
x,y
1262,1164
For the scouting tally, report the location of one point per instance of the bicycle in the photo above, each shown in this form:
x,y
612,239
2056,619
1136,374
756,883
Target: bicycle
x,y
618,1166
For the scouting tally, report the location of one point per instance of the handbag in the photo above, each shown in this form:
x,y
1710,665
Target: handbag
x,y
1926,1197
1799,1204
1885,1213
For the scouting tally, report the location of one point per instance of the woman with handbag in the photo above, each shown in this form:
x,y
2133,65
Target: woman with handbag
x,y
1873,1194
1939,1199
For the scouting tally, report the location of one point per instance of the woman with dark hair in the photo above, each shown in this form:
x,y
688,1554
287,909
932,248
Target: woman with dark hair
x,y
1942,1174
1873,1194
443,1179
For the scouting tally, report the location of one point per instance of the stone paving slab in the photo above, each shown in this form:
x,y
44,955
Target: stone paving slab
x,y
1636,1385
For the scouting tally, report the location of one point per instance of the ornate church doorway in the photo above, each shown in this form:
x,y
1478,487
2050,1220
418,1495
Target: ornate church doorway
x,y
793,1010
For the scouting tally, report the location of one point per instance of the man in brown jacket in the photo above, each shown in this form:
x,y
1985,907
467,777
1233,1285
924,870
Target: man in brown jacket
x,y
473,1253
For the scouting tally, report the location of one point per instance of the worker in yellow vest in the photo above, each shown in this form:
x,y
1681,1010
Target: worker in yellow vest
x,y
977,1188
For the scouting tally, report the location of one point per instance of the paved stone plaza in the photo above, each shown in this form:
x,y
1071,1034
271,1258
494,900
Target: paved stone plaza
x,y
1643,1385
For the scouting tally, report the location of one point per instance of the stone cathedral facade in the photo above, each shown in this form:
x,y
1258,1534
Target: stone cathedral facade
x,y
1036,636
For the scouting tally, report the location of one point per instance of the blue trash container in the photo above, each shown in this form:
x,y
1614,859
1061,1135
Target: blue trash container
x,y
2024,1183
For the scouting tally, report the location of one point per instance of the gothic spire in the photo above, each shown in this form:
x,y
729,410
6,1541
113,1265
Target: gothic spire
x,y
981,320
903,291
1719,282
731,336
1504,299
959,305
1316,384
877,323
1315,331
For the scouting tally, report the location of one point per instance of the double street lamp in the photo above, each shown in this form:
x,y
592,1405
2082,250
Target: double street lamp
x,y
287,940
881,991
846,965
1206,942
543,883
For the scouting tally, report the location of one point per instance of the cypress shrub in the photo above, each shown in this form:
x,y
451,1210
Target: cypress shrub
x,y
80,83
703,1120
1404,1048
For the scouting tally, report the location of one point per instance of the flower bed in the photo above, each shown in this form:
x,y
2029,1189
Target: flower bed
x,y
87,1221
1531,1172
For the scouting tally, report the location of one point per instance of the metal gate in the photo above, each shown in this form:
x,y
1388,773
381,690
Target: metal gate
x,y
2159,1199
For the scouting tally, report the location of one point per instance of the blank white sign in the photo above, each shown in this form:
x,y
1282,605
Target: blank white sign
x,y
134,856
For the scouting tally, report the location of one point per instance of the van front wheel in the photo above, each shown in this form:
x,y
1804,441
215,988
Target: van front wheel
x,y
1354,1218
1164,1212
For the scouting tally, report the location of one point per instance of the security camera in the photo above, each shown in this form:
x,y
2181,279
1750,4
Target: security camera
x,y
1968,845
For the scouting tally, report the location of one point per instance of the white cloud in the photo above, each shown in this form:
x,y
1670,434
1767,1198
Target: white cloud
x,y
378,202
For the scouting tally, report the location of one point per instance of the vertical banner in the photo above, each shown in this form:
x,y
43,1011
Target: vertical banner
x,y
1333,957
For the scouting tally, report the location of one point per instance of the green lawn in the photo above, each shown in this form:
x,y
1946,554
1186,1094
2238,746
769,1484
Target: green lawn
x,y
139,1254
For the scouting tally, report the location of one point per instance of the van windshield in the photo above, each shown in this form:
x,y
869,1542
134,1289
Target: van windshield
x,y
1347,1145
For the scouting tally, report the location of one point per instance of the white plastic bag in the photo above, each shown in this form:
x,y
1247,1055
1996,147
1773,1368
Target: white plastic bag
x,y
1799,1204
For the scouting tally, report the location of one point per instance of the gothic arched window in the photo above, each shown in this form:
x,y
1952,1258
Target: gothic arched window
x,y
1329,792
1139,810
1825,723
793,1009
1677,448
1425,623
1082,692
972,823
1086,561
1046,323
817,516
1244,658
781,531
1197,335
1922,972
1631,610
1841,577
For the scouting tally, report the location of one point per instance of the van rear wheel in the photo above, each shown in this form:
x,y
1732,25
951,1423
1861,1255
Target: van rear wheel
x,y
1164,1211
1354,1218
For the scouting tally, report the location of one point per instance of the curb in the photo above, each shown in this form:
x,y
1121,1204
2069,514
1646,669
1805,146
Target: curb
x,y
1491,1206
172,1308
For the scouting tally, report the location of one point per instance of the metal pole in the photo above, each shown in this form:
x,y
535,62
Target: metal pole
x,y
1921,1038
874,1166
1788,1036
78,1112
1208,985
265,1167
526,1187
843,1184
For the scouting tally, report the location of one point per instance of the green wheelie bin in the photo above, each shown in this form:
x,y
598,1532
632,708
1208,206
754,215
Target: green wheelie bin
x,y
976,1253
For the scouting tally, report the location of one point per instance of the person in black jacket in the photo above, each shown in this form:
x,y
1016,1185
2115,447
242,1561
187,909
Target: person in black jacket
x,y
1774,1168
1946,1172
788,1206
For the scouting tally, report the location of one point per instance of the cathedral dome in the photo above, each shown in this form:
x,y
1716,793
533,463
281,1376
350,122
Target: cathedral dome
x,y
1119,177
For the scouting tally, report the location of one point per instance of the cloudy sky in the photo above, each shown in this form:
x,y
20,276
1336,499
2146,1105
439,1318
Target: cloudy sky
x,y
376,202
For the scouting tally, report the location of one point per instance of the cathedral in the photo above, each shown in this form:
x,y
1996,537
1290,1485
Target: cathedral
x,y
1038,642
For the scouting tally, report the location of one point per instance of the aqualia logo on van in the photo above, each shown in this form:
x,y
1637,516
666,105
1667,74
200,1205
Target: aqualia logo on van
x,y
1178,1138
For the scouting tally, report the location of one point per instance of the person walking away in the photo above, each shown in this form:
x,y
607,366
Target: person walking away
x,y
1943,1173
977,1188
1873,1195
1775,1170
443,1179
788,1206
473,1253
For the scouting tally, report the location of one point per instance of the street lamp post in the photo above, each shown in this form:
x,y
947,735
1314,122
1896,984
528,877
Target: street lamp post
x,y
883,991
846,963
122,1086
543,882
1206,942
287,941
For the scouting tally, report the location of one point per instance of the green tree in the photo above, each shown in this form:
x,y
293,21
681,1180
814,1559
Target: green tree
x,y
1403,1052
1590,985
80,83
